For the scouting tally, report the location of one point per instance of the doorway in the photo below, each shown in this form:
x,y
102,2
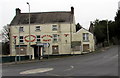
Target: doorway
x,y
55,49
37,52
85,47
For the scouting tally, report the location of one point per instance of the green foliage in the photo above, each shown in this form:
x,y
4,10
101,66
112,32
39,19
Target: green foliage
x,y
117,26
100,31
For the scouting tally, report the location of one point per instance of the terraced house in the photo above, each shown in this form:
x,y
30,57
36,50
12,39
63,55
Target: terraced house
x,y
50,33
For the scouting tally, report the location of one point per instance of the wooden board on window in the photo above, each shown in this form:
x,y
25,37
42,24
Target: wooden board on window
x,y
21,50
55,49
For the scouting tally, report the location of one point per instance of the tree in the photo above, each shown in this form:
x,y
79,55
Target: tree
x,y
100,30
5,40
5,34
117,26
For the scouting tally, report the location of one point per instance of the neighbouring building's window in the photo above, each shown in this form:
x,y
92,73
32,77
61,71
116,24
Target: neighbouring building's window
x,y
54,27
55,37
37,28
85,37
21,39
21,29
38,38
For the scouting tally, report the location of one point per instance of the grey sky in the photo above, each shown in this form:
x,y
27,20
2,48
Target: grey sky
x,y
85,10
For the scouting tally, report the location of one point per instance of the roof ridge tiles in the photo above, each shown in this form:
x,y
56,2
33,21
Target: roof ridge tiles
x,y
48,12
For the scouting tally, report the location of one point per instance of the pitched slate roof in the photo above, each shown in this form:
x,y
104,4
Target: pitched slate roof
x,y
43,18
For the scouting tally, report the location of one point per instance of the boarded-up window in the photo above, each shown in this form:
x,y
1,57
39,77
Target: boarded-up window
x,y
21,50
55,49
76,45
76,48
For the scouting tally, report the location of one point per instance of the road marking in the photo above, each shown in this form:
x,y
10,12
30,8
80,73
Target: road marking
x,y
52,74
71,67
38,70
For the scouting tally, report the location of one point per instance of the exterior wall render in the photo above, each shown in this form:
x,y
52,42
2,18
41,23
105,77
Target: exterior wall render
x,y
64,42
78,36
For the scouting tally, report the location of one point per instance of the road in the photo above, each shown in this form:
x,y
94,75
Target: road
x,y
103,63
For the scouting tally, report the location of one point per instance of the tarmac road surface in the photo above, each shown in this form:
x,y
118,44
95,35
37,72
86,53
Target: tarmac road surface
x,y
103,63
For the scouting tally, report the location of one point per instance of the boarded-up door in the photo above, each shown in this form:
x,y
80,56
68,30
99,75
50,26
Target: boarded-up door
x,y
55,49
85,47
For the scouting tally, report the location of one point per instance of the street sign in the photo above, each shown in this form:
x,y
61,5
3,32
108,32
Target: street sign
x,y
46,44
40,44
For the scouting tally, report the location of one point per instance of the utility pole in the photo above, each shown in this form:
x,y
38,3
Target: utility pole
x,y
29,32
108,33
19,43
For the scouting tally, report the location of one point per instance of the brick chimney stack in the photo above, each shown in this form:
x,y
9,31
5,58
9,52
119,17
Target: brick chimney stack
x,y
72,10
18,11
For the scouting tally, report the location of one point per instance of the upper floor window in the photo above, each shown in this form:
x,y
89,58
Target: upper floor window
x,y
21,29
37,28
21,39
54,27
85,37
55,37
38,38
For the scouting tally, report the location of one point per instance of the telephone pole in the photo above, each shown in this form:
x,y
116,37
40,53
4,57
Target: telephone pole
x,y
29,32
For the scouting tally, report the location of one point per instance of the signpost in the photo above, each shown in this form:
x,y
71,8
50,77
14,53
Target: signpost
x,y
15,48
45,45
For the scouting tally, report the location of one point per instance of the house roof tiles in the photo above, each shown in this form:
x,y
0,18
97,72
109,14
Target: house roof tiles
x,y
43,18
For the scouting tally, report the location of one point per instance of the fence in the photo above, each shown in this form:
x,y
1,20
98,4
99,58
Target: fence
x,y
5,59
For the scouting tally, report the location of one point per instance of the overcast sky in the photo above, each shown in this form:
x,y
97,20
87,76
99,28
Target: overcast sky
x,y
85,10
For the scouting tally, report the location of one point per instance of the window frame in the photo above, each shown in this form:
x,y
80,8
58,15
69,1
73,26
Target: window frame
x,y
21,29
21,39
37,28
54,27
38,39
85,37
55,39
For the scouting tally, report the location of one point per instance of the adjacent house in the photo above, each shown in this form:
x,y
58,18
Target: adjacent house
x,y
49,33
85,40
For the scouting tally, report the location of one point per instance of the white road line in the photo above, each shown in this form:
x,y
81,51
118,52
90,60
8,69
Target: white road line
x,y
71,67
38,70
